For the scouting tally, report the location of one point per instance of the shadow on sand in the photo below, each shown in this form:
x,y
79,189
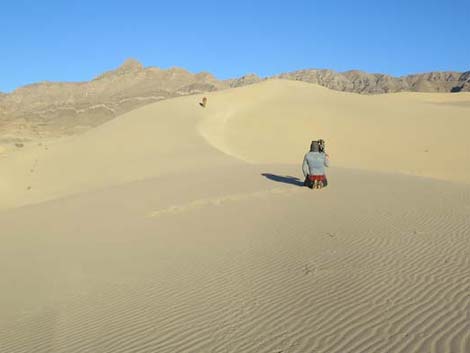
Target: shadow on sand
x,y
284,179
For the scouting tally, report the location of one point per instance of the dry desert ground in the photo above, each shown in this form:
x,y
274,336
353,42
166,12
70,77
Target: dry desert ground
x,y
176,228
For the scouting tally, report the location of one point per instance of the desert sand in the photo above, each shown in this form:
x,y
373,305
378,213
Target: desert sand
x,y
177,228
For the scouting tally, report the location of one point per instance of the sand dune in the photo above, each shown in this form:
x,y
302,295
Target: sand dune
x,y
154,140
248,269
270,122
415,133
151,233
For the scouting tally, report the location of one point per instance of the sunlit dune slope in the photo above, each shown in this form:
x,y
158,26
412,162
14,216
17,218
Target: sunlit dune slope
x,y
423,134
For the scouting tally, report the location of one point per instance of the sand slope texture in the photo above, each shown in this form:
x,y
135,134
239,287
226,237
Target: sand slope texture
x,y
175,228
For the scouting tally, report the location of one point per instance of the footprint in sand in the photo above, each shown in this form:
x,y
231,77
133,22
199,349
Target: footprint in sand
x,y
33,168
217,201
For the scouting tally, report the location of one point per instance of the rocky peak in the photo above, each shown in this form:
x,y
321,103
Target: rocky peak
x,y
244,80
205,76
129,66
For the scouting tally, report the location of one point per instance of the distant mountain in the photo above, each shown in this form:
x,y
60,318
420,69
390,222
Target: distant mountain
x,y
244,80
465,87
366,83
49,109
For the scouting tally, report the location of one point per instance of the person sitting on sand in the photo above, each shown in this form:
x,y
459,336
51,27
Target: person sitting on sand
x,y
314,165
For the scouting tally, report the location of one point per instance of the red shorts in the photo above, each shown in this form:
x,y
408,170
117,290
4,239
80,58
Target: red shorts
x,y
317,177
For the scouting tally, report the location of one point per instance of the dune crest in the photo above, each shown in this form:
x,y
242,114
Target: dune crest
x,y
421,134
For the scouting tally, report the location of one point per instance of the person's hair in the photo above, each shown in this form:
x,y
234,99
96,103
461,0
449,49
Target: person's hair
x,y
314,146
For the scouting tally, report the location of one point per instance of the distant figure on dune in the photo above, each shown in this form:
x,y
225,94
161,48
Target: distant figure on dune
x,y
314,165
204,102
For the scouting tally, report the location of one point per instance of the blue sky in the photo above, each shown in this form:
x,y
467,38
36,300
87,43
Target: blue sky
x,y
77,40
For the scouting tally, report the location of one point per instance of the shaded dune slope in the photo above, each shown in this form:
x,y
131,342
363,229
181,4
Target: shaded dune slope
x,y
154,140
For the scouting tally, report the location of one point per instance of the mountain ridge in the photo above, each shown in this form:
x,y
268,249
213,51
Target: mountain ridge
x,y
50,109
362,82
133,66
